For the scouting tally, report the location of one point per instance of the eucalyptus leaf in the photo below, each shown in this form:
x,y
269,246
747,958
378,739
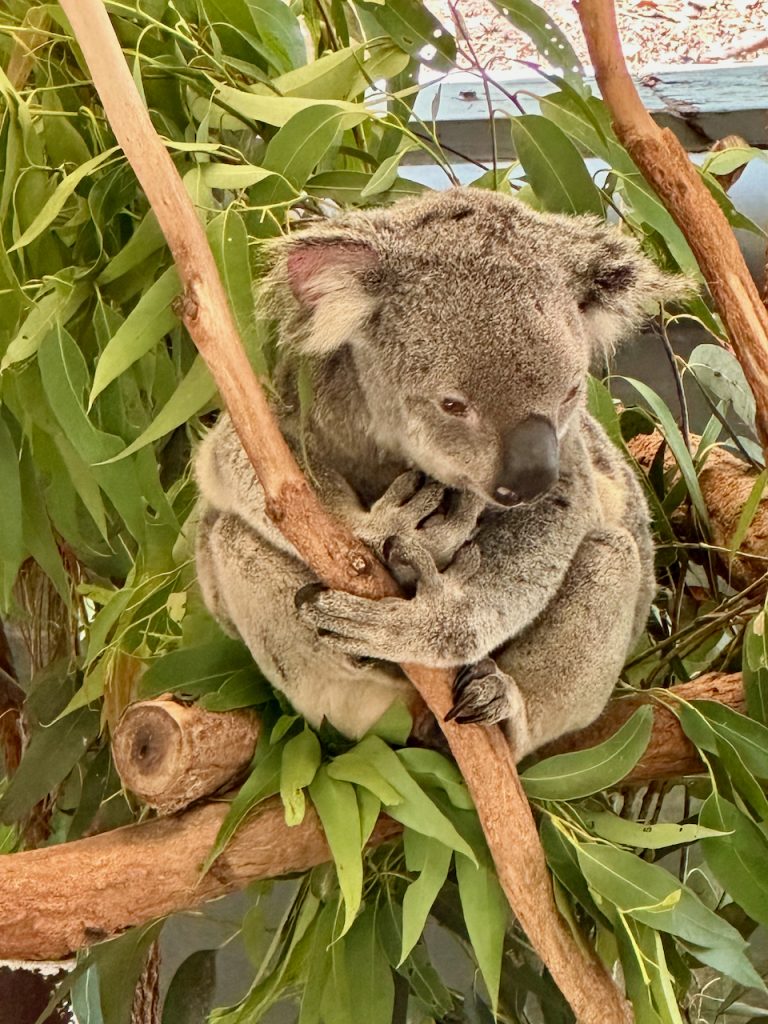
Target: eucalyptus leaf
x,y
300,761
581,773
336,806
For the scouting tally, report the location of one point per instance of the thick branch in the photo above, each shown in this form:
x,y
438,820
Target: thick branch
x,y
171,754
666,167
62,898
330,549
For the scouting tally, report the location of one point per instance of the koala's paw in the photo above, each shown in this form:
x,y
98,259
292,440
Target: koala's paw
x,y
353,625
482,693
406,503
447,532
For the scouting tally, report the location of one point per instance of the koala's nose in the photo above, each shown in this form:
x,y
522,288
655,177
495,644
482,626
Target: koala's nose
x,y
531,462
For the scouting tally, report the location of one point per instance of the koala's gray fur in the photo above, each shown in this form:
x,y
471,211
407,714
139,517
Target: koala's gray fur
x,y
528,547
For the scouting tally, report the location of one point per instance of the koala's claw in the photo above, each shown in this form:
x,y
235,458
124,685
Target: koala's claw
x,y
481,694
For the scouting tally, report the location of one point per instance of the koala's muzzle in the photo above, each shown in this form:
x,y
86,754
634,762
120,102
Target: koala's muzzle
x,y
530,461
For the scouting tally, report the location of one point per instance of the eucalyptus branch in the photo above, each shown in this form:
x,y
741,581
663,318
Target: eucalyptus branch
x,y
666,167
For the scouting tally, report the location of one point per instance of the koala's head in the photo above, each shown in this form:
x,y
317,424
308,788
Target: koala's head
x,y
472,321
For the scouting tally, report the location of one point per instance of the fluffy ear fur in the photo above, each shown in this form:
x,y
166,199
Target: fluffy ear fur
x,y
318,289
617,285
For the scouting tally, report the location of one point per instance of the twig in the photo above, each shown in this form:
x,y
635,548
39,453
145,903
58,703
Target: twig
x,y
336,556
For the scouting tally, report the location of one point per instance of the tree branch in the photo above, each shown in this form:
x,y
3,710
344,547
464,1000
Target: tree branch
x,y
666,167
336,556
63,898
171,754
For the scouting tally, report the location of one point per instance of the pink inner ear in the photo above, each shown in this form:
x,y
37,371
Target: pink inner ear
x,y
314,270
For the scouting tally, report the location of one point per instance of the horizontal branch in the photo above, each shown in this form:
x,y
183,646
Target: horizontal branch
x,y
62,898
669,753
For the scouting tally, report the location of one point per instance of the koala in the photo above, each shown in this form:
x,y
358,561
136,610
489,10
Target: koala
x,y
449,340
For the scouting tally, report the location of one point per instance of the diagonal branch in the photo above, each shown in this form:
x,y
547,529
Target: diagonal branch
x,y
666,167
328,547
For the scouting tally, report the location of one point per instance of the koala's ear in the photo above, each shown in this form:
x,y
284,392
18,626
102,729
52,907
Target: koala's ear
x,y
322,284
617,286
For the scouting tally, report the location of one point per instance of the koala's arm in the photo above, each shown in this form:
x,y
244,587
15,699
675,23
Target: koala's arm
x,y
410,508
496,587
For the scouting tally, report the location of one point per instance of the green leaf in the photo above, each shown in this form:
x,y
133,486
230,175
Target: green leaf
x,y
243,689
431,860
280,29
197,669
278,110
355,768
336,806
346,187
721,374
537,23
120,963
301,144
370,984
411,25
53,752
149,321
263,781
394,726
553,166
651,895
65,379
193,393
411,806
385,175
677,446
12,547
748,737
579,774
53,207
189,998
431,768
648,837
737,860
301,759
57,306
754,667
485,912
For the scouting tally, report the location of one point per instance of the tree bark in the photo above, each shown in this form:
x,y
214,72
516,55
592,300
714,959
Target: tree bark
x,y
171,754
666,167
62,898
726,482
329,548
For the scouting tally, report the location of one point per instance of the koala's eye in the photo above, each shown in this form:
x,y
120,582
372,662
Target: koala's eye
x,y
573,392
454,406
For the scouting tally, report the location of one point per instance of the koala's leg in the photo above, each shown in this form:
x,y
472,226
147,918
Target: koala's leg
x,y
249,585
558,675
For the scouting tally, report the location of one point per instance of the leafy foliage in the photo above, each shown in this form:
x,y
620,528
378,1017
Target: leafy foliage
x,y
270,111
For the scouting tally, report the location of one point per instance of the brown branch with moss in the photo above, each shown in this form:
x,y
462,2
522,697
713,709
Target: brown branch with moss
x,y
336,556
